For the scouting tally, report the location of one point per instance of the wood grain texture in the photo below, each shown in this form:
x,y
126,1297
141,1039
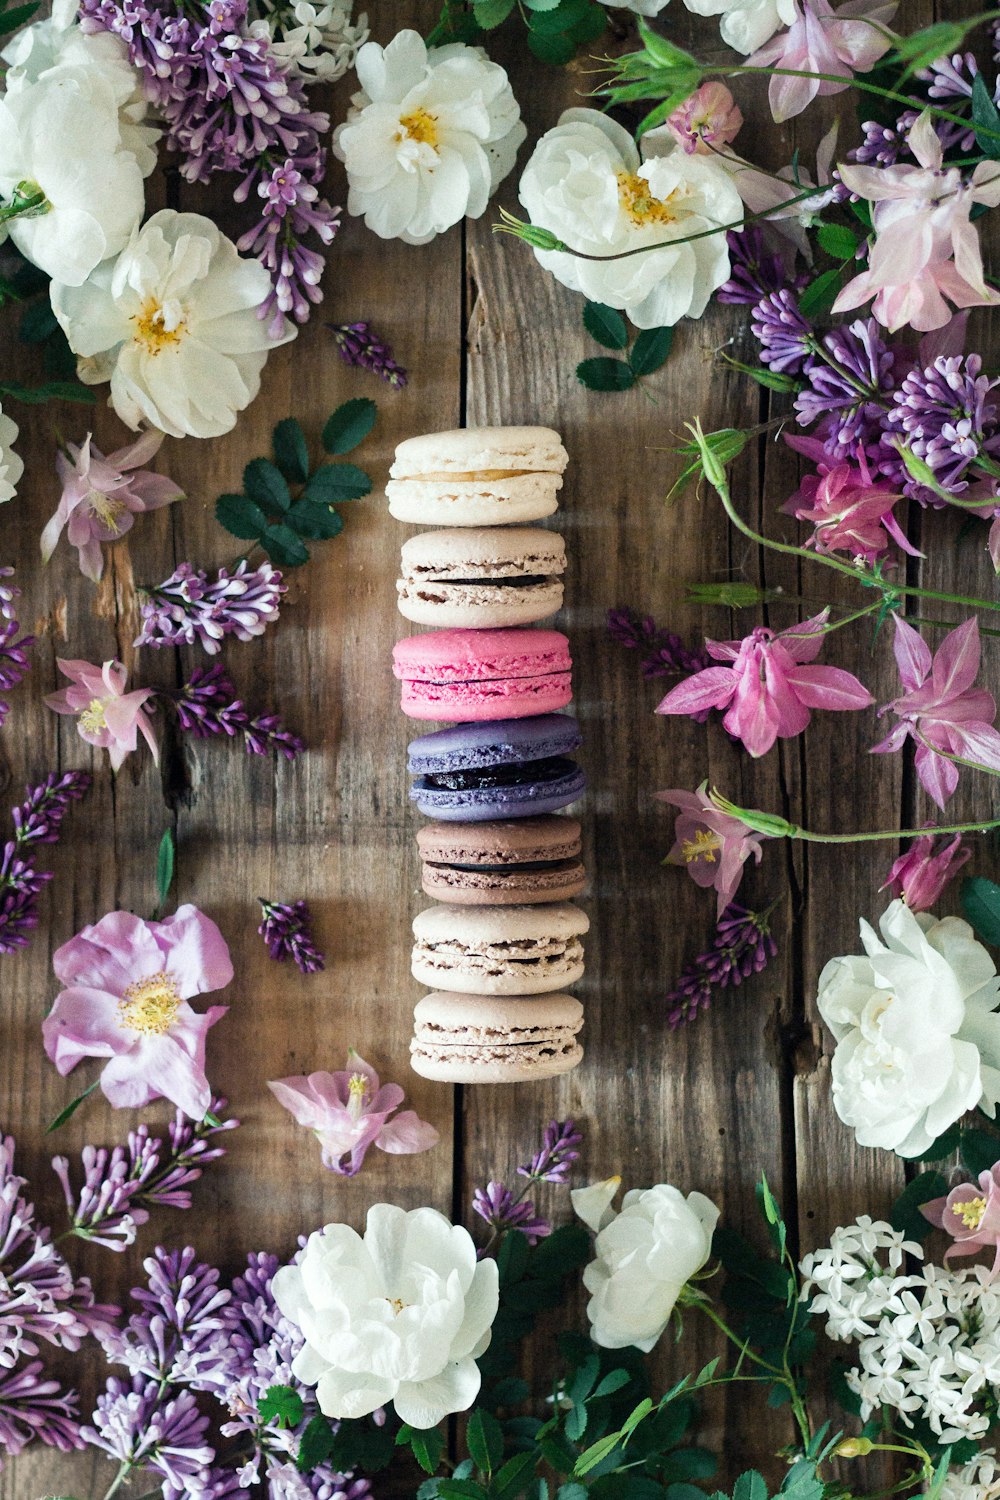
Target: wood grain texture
x,y
488,338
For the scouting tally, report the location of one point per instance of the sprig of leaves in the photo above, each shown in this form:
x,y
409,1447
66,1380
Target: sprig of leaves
x,y
608,328
556,29
284,502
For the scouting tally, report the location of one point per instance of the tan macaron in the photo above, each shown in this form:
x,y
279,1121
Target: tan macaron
x,y
499,950
477,476
481,577
475,1039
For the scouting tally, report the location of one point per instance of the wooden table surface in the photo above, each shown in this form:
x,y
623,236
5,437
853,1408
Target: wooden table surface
x,y
488,338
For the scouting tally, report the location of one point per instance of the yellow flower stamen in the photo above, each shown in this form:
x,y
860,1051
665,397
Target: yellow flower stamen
x,y
357,1090
703,846
152,328
106,508
970,1212
642,207
94,719
397,1304
420,126
150,1005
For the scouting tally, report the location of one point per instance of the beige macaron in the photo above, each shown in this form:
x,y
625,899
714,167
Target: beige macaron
x,y
499,950
475,1039
477,476
481,576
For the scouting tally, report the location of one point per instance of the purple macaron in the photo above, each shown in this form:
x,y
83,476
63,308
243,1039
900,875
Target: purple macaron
x,y
505,768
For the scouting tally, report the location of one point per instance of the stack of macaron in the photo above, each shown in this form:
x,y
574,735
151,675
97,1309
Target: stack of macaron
x,y
503,941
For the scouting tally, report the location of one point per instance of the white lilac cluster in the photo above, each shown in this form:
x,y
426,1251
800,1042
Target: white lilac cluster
x,y
928,1343
318,43
977,1480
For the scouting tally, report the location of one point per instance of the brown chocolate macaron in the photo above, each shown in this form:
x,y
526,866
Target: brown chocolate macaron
x,y
516,862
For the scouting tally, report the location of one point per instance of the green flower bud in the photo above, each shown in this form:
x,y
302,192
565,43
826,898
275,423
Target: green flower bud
x,y
768,824
531,234
665,54
858,1447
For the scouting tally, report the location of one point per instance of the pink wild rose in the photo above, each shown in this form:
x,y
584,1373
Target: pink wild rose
x,y
102,496
840,42
939,707
126,989
107,716
926,247
920,875
770,686
711,845
350,1111
710,118
971,1215
849,510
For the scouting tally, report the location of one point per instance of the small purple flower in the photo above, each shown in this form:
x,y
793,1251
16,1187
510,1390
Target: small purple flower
x,y
207,705
14,661
558,1151
287,931
36,821
502,1211
753,271
847,385
944,414
33,1407
786,339
742,946
142,1426
663,652
359,344
188,609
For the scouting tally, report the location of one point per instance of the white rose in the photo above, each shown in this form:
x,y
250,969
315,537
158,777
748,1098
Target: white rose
x,y
400,1315
747,24
585,182
11,466
428,139
645,1256
62,135
173,323
918,1035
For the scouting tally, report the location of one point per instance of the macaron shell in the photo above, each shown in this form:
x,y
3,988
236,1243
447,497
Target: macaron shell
x,y
499,742
478,606
483,864
482,552
501,843
488,803
473,702
561,882
472,449
473,656
505,1065
507,501
463,1038
484,950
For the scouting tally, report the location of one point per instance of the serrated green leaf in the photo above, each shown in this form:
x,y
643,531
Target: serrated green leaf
x,y
240,516
484,1437
981,908
596,1454
316,1444
820,295
12,19
605,374
605,324
574,1491
316,521
750,1486
265,484
541,5
650,350
333,484
906,1214
510,1479
284,547
837,240
349,425
281,1404
461,1489
427,1445
613,1381
291,452
165,859
428,1490
71,1109
980,1150
637,1415
584,1379
491,13
576,1423
556,48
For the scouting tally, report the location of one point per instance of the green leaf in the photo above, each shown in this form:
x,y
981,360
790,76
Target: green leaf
x,y
612,1382
750,1486
308,518
315,1445
596,1454
568,18
282,1405
593,23
428,1490
558,49
283,546
266,485
574,1491
820,295
427,1447
636,1416
165,860
12,19
650,350
906,1213
512,1257
924,47
837,240
291,453
940,1476
772,1213
461,1489
334,483
942,1147
52,390
511,1478
980,1150
986,117
981,908
38,321
605,324
605,374
71,1109
349,425
542,5
490,13
683,1491
484,1437
584,1379
576,1422
240,516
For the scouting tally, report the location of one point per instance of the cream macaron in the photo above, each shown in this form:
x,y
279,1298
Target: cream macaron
x,y
499,950
478,577
477,1039
477,476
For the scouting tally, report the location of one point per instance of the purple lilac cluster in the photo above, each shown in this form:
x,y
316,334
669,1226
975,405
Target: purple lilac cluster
x,y
36,821
14,662
504,1210
230,104
207,705
742,946
287,930
120,1186
189,609
754,270
358,344
663,652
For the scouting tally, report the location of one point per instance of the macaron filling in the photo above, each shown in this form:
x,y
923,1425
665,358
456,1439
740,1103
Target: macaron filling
x,y
527,956
483,778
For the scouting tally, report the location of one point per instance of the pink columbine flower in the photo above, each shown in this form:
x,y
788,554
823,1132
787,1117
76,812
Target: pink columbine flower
x,y
851,512
350,1111
971,1215
921,874
840,42
712,845
769,689
102,496
940,708
127,984
710,118
777,197
107,716
926,247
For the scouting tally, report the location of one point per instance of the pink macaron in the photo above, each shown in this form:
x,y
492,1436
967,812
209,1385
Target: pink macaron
x,y
470,675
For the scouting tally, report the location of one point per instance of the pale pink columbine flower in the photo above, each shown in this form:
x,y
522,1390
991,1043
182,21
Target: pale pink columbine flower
x,y
769,688
127,985
710,118
842,42
920,875
102,496
850,511
711,845
350,1111
926,247
786,215
971,1215
107,716
940,708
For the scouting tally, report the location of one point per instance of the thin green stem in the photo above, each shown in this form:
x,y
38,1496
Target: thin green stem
x,y
888,833
124,1470
745,1351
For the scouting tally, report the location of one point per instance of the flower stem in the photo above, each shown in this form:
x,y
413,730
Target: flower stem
x,y
119,1480
889,833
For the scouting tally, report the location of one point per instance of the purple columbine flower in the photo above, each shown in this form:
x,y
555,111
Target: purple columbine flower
x,y
36,821
359,344
187,608
34,1407
754,272
786,338
742,946
287,931
944,414
207,705
558,1152
502,1211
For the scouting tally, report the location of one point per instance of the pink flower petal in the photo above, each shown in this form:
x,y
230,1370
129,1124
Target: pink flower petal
x,y
194,951
109,955
938,777
82,1023
406,1134
829,687
711,688
956,661
912,653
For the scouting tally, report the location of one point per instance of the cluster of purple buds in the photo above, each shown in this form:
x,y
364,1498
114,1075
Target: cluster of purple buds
x,y
742,946
558,1151
949,80
359,344
504,1210
754,270
36,821
188,608
287,930
663,652
14,662
207,705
